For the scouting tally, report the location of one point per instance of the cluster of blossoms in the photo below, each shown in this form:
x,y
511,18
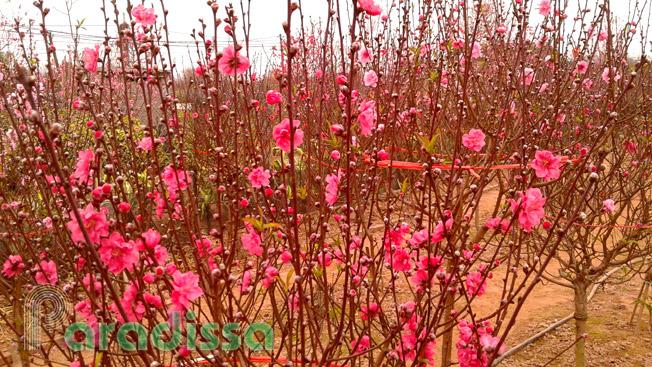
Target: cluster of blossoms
x,y
475,343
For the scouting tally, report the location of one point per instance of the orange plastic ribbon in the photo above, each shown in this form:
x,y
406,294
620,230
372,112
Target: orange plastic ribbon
x,y
602,226
264,360
448,167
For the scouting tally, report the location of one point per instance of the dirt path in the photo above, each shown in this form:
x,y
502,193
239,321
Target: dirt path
x,y
611,342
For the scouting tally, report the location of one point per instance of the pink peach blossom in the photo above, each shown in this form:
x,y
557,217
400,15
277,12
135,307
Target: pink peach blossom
x,y
528,76
251,241
246,281
118,254
270,276
368,313
160,254
401,260
547,165
490,343
419,237
94,222
495,223
476,51
530,208
146,144
273,97
370,79
332,190
231,62
545,7
610,75
370,7
90,58
186,289
630,146
281,134
84,162
151,237
440,229
475,284
144,16
286,257
367,117
383,155
46,273
199,71
12,266
365,55
360,345
259,177
581,67
474,140
175,180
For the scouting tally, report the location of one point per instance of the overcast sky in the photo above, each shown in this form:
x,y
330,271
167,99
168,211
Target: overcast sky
x,y
266,18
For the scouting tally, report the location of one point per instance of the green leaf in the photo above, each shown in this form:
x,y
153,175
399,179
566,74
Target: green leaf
x,y
287,278
429,145
416,51
99,358
256,223
433,141
302,193
333,142
277,165
271,225
404,185
424,141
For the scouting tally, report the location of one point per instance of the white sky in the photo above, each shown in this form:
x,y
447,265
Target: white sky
x,y
266,18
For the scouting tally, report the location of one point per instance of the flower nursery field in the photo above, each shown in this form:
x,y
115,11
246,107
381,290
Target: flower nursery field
x,y
339,183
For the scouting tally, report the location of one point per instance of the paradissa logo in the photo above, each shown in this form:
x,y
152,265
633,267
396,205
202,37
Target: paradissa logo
x,y
257,336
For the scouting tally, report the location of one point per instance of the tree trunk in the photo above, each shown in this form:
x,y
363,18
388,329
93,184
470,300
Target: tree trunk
x,y
447,338
581,315
641,301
